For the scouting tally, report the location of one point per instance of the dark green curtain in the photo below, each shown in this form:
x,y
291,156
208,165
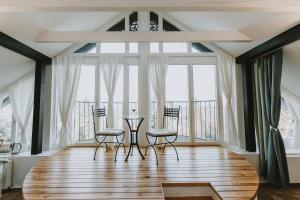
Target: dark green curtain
x,y
267,98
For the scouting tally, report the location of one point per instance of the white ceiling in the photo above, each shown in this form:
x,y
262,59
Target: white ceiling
x,y
12,67
27,26
260,26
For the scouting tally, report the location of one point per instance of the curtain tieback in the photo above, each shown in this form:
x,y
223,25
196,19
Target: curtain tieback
x,y
274,128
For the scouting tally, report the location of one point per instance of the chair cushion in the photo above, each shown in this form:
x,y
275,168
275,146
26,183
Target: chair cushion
x,y
162,133
110,132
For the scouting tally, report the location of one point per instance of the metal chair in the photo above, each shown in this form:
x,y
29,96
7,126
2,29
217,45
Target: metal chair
x,y
170,136
100,136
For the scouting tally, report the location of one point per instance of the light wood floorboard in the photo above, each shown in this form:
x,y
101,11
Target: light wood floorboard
x,y
73,174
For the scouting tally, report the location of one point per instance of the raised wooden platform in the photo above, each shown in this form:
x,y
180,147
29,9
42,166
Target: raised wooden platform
x,y
73,174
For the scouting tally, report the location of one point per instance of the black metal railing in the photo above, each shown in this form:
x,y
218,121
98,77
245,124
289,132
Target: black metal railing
x,y
205,114
205,119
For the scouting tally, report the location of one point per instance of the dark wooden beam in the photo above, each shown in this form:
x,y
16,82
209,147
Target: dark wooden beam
x,y
287,37
38,110
39,87
248,99
20,48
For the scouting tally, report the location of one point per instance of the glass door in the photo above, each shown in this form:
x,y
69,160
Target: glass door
x,y
177,95
204,103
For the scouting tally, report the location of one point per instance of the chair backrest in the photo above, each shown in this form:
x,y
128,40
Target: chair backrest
x,y
172,113
97,114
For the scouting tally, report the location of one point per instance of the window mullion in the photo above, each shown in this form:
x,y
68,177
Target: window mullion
x,y
190,103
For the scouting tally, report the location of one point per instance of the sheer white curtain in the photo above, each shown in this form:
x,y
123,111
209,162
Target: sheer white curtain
x,y
21,95
293,104
158,67
67,72
2,97
110,67
225,69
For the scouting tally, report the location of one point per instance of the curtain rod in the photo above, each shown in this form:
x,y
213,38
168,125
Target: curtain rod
x,y
268,53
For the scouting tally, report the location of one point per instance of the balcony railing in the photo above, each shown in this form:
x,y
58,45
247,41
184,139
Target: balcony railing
x,y
205,119
205,114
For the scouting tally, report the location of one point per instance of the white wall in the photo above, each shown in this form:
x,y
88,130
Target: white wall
x,y
22,164
291,70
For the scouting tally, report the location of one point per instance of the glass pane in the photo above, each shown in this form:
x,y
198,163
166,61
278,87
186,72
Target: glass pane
x,y
153,22
179,47
177,95
167,26
133,48
133,22
120,26
204,82
86,88
88,48
194,50
112,47
286,126
154,47
118,102
83,121
198,47
93,50
5,123
133,89
205,108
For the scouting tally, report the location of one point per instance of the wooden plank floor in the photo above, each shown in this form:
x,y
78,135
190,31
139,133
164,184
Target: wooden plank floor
x,y
73,174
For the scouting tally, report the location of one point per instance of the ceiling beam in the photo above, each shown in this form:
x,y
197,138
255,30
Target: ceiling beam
x,y
20,48
279,41
176,36
146,5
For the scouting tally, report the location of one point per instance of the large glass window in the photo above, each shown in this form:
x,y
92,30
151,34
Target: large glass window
x,y
192,87
177,95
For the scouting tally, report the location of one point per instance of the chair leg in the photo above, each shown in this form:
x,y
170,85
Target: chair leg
x,y
106,146
97,150
117,151
146,150
175,150
164,147
153,147
124,147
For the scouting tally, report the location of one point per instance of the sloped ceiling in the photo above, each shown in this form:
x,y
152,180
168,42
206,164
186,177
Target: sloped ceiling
x,y
12,67
260,26
26,27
